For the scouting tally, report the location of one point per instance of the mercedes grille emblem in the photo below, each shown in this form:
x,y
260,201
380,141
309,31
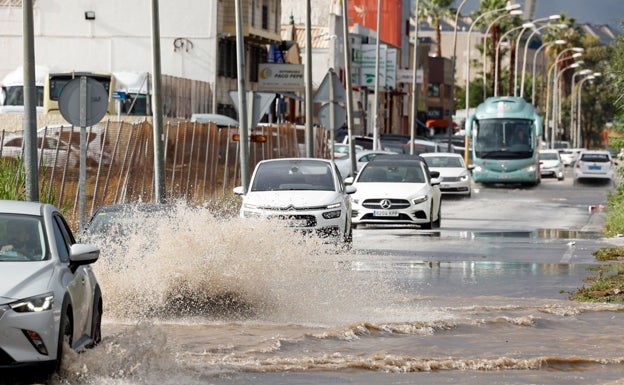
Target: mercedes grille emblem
x,y
385,204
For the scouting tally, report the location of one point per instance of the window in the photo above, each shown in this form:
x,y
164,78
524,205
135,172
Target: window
x,y
63,236
433,90
265,16
227,58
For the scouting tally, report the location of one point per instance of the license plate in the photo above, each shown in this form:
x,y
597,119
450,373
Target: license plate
x,y
385,213
297,222
594,167
445,185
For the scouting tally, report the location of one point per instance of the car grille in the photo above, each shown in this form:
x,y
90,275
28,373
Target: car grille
x,y
451,179
454,189
395,204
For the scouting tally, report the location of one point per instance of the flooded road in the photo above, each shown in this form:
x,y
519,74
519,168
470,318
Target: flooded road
x,y
482,300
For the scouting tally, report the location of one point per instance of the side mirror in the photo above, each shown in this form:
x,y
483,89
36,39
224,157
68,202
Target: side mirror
x,y
349,180
350,189
239,190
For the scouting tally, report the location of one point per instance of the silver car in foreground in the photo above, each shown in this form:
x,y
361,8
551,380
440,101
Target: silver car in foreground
x,y
308,193
49,295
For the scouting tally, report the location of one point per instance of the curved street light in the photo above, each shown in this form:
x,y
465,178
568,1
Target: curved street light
x,y
530,24
556,112
453,65
584,72
559,42
526,45
507,8
515,12
578,120
497,54
578,53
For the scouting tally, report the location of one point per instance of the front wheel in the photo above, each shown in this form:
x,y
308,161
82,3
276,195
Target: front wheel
x,y
65,336
438,222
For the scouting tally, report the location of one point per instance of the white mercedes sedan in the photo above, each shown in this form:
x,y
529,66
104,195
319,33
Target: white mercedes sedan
x,y
396,190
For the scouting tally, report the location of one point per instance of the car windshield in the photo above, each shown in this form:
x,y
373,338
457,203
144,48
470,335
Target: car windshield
x,y
549,156
595,158
293,175
21,238
443,161
122,220
381,173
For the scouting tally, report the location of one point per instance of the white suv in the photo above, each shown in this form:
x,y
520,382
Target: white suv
x,y
308,193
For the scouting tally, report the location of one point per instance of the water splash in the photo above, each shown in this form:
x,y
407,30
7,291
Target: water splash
x,y
191,262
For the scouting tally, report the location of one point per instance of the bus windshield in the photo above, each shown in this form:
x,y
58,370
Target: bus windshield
x,y
504,139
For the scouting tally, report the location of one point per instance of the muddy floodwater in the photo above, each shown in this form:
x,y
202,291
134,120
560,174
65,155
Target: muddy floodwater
x,y
202,299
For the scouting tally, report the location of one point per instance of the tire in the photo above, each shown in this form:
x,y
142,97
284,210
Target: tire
x,y
438,222
65,334
428,225
96,321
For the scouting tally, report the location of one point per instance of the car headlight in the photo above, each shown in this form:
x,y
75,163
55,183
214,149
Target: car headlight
x,y
420,199
531,168
334,205
463,177
34,304
477,169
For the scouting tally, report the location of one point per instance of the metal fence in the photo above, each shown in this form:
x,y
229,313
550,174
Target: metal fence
x,y
201,160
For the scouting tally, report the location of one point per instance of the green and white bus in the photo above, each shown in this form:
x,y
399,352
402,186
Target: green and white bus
x,y
505,133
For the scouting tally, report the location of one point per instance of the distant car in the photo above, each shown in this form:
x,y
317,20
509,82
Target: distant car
x,y
422,146
397,190
95,139
594,164
551,164
341,150
344,164
569,156
118,221
365,141
48,291
307,193
51,152
455,177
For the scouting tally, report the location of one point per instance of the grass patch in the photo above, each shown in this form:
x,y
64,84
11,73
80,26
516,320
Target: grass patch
x,y
608,283
607,286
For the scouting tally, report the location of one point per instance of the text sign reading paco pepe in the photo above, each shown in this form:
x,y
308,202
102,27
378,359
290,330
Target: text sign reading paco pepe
x,y
280,77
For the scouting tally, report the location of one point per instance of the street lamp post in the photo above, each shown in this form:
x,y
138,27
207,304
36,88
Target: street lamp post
x,y
526,45
453,61
556,112
534,68
497,53
515,74
578,120
584,72
414,84
577,53
507,8
515,12
557,60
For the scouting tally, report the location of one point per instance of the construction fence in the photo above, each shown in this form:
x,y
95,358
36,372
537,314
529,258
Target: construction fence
x,y
202,161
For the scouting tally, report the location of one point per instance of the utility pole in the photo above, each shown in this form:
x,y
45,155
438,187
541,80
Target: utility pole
x,y
30,105
159,159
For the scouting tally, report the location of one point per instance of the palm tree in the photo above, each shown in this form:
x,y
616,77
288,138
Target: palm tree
x,y
433,11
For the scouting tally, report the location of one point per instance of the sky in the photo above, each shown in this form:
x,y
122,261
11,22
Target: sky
x,y
609,12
